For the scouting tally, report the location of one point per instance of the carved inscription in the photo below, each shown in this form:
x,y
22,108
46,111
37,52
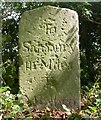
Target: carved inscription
x,y
40,50
38,47
41,64
50,27
49,57
55,101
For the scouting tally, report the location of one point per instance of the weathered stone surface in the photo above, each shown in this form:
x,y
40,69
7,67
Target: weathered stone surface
x,y
49,56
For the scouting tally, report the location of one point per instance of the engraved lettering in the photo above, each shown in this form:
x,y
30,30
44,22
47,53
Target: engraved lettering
x,y
37,47
27,45
50,29
52,64
28,65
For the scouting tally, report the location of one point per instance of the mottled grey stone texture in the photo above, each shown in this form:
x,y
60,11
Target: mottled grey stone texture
x,y
49,72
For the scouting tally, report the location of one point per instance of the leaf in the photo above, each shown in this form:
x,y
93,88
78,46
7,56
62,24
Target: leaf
x,y
47,115
94,109
66,109
1,116
8,104
4,89
87,111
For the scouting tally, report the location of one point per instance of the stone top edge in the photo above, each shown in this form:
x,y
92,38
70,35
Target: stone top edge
x,y
49,6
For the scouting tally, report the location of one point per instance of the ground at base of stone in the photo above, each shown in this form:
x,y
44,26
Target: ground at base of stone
x,y
49,114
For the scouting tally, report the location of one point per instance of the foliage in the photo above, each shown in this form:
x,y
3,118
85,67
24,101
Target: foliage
x,y
90,55
10,105
91,99
90,39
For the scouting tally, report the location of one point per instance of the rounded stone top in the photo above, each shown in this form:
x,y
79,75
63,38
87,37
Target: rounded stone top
x,y
69,11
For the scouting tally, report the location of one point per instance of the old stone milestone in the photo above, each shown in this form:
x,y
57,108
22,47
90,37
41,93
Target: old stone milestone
x,y
49,73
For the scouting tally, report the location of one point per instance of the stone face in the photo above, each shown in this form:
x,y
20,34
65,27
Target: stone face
x,y
49,72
